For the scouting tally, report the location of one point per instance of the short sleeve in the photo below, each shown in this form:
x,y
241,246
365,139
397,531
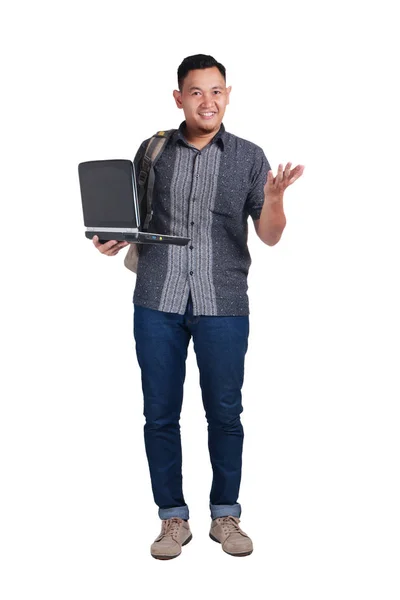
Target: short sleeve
x,y
255,197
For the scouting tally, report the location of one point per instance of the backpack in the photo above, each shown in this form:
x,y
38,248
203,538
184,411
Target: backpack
x,y
146,180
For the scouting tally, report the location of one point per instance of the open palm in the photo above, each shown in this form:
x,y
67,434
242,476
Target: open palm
x,y
275,186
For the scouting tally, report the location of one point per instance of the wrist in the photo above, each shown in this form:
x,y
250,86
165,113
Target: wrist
x,y
274,203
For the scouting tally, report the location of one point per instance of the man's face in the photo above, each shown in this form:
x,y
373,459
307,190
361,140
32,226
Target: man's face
x,y
203,98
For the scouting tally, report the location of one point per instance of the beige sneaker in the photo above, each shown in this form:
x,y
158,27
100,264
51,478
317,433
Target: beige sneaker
x,y
227,532
175,533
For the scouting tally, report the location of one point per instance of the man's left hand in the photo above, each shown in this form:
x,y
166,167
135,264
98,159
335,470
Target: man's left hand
x,y
275,186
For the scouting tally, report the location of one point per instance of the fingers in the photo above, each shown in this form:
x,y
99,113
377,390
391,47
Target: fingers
x,y
95,241
279,175
287,177
296,173
103,247
118,246
110,248
283,179
270,180
115,249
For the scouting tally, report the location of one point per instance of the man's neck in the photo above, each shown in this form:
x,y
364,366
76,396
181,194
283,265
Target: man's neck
x,y
199,140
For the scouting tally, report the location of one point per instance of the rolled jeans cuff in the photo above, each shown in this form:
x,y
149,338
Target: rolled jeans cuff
x,y
225,510
182,512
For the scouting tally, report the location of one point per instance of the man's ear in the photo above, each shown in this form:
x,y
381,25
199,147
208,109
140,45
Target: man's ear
x,y
228,92
178,98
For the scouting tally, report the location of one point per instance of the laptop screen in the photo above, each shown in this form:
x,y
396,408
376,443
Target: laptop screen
x,y
109,197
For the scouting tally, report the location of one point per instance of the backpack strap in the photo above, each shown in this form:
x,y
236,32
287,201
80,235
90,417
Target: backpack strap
x,y
152,153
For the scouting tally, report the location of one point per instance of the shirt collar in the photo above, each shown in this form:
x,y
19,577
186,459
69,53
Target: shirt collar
x,y
180,135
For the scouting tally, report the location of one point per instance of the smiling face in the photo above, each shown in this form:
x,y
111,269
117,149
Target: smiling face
x,y
203,98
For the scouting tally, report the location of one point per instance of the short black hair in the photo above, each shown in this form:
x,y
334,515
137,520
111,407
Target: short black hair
x,y
198,61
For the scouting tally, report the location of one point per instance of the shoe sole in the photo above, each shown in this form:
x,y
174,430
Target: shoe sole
x,y
166,557
230,553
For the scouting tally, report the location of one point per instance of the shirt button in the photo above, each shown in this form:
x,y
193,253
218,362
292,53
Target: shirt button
x,y
191,247
192,223
191,272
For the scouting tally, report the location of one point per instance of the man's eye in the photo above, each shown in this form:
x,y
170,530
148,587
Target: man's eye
x,y
194,93
217,92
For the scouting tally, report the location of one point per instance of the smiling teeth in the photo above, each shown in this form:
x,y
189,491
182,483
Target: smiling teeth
x,y
206,114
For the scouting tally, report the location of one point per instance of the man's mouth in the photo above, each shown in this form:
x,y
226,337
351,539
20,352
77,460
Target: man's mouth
x,y
207,115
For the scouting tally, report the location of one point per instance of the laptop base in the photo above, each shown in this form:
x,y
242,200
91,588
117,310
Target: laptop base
x,y
140,237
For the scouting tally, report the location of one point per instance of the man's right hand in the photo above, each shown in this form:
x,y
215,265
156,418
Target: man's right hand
x,y
110,248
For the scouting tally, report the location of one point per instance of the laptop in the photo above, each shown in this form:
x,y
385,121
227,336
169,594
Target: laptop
x,y
111,206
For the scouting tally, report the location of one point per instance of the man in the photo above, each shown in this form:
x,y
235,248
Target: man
x,y
207,183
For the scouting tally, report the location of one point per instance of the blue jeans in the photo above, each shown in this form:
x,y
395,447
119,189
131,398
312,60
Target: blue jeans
x,y
220,344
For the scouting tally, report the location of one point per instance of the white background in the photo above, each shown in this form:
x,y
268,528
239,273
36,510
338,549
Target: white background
x,y
313,83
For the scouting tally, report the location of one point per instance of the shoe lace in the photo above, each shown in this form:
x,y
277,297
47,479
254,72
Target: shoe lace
x,y
230,524
171,527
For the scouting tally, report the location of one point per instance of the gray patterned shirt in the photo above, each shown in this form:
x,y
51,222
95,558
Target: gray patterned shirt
x,y
206,195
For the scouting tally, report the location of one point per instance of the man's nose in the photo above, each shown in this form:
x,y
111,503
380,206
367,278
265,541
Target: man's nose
x,y
208,100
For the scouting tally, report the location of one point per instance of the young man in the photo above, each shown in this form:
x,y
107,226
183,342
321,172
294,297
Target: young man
x,y
207,183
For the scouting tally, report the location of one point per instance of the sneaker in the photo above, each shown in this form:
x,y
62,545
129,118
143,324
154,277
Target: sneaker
x,y
175,533
227,532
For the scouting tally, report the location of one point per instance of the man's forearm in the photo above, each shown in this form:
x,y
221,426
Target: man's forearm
x,y
272,221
